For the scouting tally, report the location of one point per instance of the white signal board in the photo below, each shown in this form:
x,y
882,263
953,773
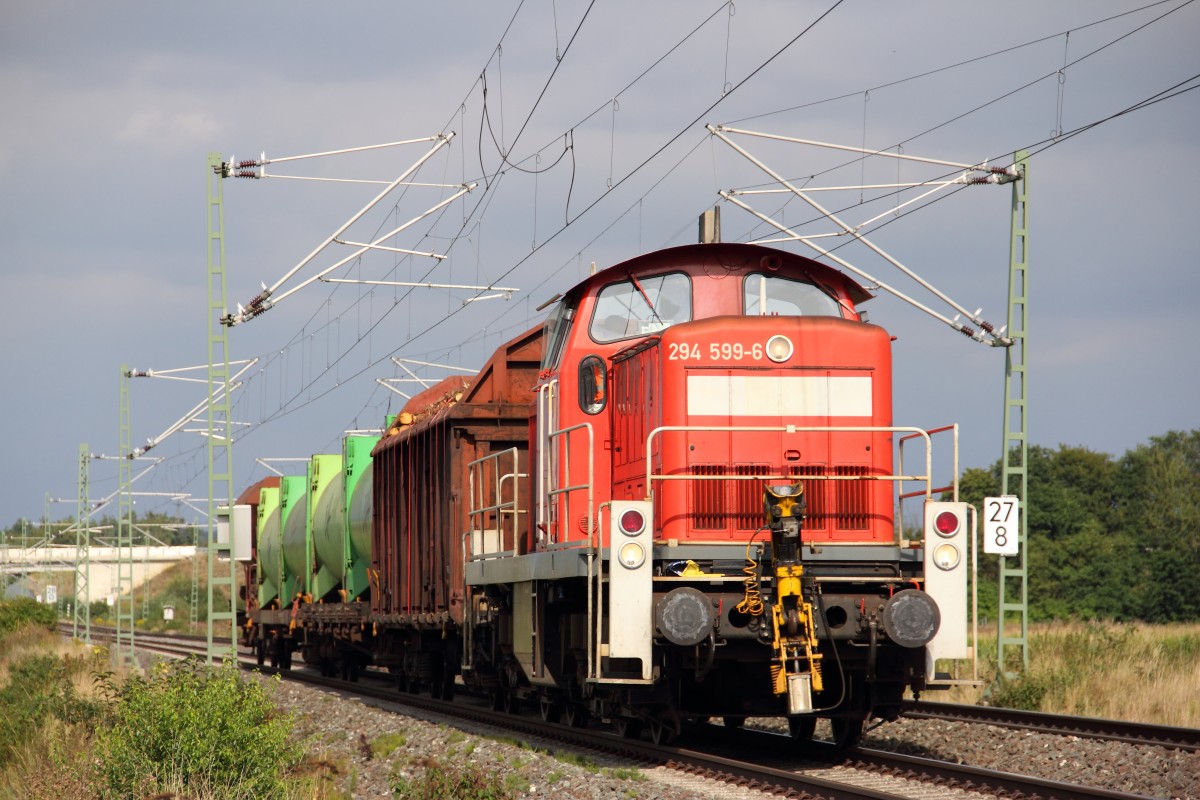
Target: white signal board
x,y
1001,525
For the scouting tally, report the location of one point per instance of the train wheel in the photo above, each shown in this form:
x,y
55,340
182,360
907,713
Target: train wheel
x,y
846,731
734,722
664,727
628,727
441,682
575,715
551,710
802,728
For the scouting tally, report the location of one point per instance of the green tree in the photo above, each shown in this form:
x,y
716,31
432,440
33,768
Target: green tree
x,y
1159,506
1108,539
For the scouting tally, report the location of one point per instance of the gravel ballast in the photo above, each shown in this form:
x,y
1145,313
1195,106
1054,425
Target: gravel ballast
x,y
367,751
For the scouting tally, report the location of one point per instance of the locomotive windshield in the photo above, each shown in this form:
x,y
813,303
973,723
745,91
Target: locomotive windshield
x,y
770,295
641,306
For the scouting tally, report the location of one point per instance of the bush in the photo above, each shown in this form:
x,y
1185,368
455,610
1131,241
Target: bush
x,y
191,729
39,688
25,611
1024,693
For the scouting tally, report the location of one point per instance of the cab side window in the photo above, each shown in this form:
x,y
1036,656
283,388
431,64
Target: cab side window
x,y
640,307
557,326
772,295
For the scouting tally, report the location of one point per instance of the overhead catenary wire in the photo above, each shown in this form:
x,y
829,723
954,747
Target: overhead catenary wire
x,y
510,158
959,64
636,169
419,334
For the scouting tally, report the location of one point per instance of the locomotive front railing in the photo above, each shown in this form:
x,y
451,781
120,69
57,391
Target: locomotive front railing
x,y
900,478
928,436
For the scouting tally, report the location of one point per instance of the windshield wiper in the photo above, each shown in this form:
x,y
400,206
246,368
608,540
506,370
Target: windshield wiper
x,y
638,285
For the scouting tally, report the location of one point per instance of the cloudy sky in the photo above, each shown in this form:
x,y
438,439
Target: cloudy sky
x,y
580,128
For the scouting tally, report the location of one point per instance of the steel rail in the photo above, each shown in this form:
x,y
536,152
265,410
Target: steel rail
x,y
1090,727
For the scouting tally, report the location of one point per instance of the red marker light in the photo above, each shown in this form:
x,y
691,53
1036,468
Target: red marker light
x,y
632,522
946,523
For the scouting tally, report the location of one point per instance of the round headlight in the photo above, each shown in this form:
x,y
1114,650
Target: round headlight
x,y
779,348
946,556
632,522
631,555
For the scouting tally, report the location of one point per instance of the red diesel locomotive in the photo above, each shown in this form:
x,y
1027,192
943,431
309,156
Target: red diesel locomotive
x,y
680,498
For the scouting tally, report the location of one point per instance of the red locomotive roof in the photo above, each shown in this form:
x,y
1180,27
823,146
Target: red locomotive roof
x,y
718,259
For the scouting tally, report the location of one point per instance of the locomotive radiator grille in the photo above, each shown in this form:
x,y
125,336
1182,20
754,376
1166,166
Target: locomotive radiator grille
x,y
837,505
817,516
853,500
841,505
709,503
748,497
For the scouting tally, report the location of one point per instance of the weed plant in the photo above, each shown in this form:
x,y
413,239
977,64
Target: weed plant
x,y
461,781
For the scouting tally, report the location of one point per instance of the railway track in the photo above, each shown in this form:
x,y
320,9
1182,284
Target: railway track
x,y
1090,727
747,758
767,762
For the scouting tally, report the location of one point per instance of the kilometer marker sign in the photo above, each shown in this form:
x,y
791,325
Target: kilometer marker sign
x,y
1001,525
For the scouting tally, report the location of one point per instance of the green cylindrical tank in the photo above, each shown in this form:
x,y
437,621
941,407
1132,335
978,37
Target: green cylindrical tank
x,y
270,546
360,500
360,508
328,501
297,568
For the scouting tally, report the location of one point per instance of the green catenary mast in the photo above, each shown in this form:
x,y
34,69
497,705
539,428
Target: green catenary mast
x,y
222,619
1014,475
83,523
124,590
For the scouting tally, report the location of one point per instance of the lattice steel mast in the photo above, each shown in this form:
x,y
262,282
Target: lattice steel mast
x,y
124,592
83,525
1014,473
222,620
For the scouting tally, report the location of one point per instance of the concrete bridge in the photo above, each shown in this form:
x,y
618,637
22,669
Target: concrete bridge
x,y
55,564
